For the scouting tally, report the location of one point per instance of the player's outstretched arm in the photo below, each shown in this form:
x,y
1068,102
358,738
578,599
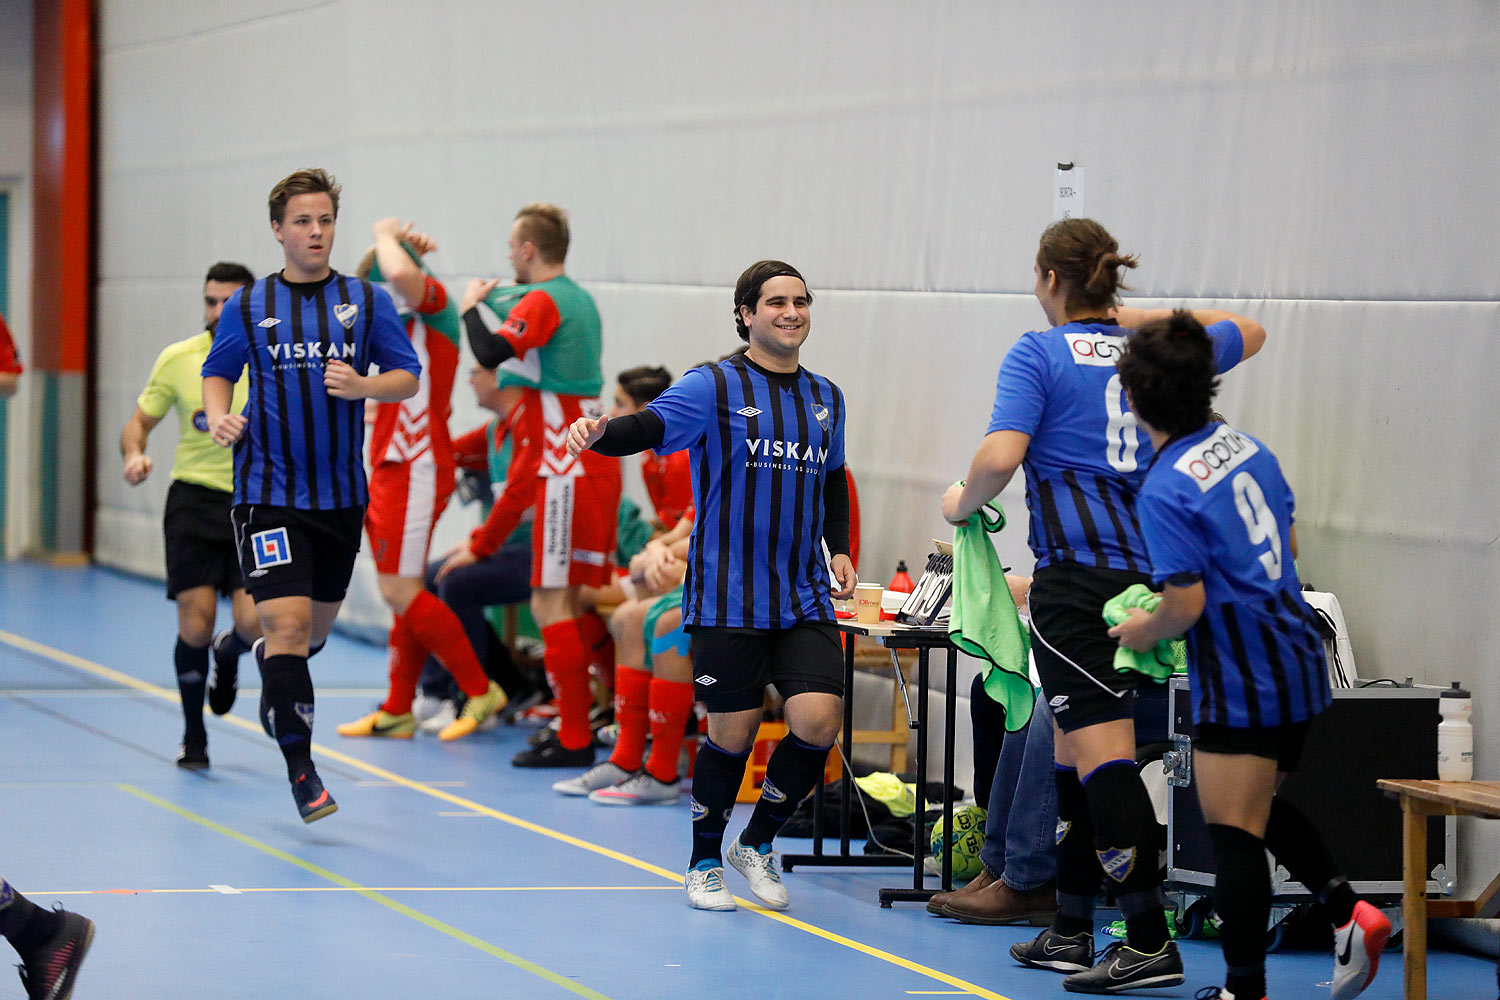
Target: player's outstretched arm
x,y
1252,334
585,433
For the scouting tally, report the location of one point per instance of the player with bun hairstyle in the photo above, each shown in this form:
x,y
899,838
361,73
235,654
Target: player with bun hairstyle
x,y
1060,413
1216,515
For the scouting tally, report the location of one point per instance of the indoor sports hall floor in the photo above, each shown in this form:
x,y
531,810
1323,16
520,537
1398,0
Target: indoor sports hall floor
x,y
446,872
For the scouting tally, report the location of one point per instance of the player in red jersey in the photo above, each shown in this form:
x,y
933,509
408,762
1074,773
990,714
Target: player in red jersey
x,y
411,479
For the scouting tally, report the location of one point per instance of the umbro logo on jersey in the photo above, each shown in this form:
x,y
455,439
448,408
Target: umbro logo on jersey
x,y
268,322
345,312
748,411
705,680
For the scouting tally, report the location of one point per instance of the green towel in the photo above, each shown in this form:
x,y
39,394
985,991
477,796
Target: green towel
x,y
1168,657
984,623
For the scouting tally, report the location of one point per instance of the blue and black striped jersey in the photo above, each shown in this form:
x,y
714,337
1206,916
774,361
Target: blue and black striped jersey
x,y
1215,508
1087,458
762,445
302,447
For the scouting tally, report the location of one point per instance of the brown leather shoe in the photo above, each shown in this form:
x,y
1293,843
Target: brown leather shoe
x,y
1000,904
938,903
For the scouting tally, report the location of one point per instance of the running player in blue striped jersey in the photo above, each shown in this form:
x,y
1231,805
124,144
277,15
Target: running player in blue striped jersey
x,y
1060,412
767,444
309,335
1216,515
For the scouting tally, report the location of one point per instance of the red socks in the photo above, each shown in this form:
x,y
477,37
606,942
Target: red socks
x,y
671,705
438,628
632,703
567,662
598,645
407,656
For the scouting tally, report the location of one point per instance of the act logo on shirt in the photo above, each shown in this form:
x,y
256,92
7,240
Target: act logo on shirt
x,y
1098,349
1209,461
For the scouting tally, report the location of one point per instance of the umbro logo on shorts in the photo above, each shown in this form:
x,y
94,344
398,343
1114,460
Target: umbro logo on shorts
x,y
271,548
705,680
1059,704
268,322
748,411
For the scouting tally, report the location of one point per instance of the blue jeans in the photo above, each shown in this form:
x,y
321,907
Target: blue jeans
x,y
503,578
1020,844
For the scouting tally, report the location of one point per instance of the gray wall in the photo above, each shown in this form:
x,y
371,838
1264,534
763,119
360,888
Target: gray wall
x,y
15,179
1325,167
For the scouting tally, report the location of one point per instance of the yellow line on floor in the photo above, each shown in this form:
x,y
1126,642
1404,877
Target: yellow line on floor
x,y
119,677
370,888
372,895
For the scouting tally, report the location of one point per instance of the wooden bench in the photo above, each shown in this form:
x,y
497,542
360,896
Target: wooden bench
x,y
1419,800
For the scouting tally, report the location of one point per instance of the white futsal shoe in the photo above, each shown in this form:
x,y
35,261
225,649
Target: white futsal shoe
x,y
759,868
705,887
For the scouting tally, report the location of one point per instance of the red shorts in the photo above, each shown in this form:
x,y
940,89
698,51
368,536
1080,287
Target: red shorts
x,y
573,535
406,500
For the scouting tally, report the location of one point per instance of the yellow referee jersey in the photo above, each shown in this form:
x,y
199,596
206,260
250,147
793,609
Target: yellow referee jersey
x,y
177,380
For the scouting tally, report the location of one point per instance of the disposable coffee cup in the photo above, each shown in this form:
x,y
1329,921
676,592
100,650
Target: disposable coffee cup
x,y
867,598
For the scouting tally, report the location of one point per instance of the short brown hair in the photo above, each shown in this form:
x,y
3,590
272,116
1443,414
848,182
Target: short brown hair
x,y
310,180
1087,261
545,226
747,289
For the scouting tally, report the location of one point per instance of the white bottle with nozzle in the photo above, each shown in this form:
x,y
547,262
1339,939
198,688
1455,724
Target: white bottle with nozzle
x,y
1455,736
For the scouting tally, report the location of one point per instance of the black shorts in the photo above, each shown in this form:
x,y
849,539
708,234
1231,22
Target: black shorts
x,y
287,552
732,666
1283,744
1070,641
199,540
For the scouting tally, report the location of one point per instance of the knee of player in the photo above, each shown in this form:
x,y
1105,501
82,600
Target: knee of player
x,y
398,591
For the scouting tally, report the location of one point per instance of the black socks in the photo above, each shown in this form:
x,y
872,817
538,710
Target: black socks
x,y
1125,839
1242,898
24,924
1078,873
288,692
192,680
1299,846
791,774
716,782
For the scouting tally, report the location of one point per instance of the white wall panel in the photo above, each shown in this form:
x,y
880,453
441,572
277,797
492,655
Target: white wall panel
x,y
1327,167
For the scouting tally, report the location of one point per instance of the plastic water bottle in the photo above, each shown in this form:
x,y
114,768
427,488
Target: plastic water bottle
x,y
1455,736
902,580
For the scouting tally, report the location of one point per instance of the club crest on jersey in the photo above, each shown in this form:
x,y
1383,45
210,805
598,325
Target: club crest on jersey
x,y
1117,862
271,548
1098,349
200,421
821,415
345,312
268,322
1208,462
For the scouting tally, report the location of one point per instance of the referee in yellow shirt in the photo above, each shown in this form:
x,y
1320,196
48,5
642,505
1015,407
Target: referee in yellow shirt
x,y
201,553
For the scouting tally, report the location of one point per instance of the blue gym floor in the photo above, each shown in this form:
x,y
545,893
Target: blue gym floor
x,y
445,872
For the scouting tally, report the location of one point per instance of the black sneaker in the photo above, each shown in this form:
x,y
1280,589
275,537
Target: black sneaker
x,y
48,972
551,753
1123,968
313,800
224,681
193,755
1050,950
